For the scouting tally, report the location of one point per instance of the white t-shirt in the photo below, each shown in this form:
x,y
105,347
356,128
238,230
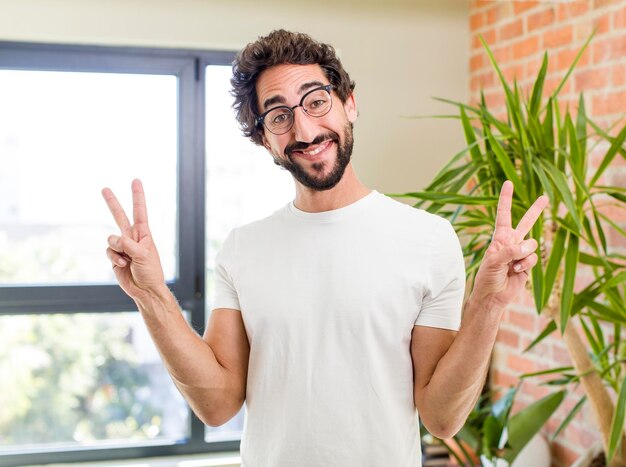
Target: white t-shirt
x,y
329,301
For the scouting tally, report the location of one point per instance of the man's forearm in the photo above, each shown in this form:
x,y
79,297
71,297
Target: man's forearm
x,y
456,383
189,360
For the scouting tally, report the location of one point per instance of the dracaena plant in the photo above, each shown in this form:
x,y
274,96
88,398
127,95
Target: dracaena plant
x,y
543,148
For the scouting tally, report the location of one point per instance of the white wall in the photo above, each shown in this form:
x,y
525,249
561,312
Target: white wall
x,y
399,52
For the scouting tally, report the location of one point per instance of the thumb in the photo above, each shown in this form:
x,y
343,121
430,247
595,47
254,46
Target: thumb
x,y
515,252
125,245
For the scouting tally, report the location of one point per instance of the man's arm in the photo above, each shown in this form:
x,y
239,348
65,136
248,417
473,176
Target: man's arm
x,y
449,371
210,372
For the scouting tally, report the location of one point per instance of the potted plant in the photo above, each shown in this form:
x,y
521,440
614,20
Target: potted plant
x,y
542,148
492,436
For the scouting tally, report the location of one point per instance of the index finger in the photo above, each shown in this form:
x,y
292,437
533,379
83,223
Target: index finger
x,y
531,216
503,214
116,210
140,212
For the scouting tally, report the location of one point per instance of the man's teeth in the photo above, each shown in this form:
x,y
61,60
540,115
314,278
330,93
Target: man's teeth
x,y
315,151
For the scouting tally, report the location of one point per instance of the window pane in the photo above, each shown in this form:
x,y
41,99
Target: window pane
x,y
243,185
84,380
63,137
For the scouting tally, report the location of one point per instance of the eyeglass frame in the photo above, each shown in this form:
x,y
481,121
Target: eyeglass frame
x,y
260,120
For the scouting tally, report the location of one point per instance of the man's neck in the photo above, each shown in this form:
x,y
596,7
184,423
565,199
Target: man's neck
x,y
347,191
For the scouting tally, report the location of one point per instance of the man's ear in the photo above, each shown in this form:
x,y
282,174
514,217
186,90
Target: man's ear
x,y
350,107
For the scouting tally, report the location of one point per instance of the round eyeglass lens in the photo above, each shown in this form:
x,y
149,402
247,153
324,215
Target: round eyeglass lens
x,y
279,119
317,103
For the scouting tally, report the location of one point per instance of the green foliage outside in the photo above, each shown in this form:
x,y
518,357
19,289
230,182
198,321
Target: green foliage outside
x,y
71,378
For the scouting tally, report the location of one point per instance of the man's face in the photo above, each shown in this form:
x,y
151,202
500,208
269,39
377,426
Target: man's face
x,y
316,150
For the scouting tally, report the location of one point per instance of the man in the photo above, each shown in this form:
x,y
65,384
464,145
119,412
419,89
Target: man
x,y
336,317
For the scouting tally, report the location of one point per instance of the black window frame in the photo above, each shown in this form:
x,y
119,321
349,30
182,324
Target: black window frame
x,y
188,66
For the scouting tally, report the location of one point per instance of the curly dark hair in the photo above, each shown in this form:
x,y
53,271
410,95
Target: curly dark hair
x,y
277,48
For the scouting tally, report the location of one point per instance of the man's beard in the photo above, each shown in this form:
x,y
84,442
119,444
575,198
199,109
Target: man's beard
x,y
313,181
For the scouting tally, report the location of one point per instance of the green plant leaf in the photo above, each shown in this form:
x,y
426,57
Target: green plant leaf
x,y
569,274
535,98
617,424
571,68
547,372
506,164
570,416
560,183
525,424
616,145
554,262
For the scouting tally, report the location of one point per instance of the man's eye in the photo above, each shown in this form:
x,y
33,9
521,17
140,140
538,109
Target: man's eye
x,y
280,118
317,103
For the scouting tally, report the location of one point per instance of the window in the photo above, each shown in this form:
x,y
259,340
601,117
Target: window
x,y
81,378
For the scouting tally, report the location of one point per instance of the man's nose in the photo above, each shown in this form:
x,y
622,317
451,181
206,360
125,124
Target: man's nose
x,y
304,126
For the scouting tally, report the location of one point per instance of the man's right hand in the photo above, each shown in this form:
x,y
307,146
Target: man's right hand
x,y
133,254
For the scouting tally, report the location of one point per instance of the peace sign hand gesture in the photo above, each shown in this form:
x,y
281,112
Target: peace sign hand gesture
x,y
509,257
133,255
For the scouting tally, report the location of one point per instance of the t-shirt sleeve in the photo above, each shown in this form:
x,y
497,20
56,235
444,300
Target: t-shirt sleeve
x,y
442,300
225,290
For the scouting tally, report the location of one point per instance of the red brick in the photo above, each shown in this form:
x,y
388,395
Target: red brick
x,y
536,391
498,11
513,72
532,68
591,79
541,19
582,437
602,24
482,81
601,50
477,61
613,103
502,54
565,58
503,379
519,7
509,338
477,21
618,47
494,100
550,86
489,36
526,47
511,30
571,9
619,18
521,320
563,453
558,37
618,74
604,3
560,355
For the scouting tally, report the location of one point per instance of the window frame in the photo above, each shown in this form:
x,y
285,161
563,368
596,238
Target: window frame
x,y
189,285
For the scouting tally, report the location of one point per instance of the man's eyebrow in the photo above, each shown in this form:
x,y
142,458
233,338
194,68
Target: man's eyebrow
x,y
281,100
309,85
273,100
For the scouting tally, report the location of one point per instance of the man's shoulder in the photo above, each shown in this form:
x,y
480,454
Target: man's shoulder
x,y
401,211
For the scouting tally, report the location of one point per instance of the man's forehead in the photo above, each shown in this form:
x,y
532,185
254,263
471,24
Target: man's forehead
x,y
282,81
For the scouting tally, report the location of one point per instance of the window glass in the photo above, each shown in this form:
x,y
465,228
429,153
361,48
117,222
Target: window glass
x,y
63,137
82,380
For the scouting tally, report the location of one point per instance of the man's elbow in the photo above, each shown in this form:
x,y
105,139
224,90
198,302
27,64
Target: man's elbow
x,y
443,429
215,417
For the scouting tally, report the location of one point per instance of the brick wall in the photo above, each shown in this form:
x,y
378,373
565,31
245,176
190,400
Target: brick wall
x,y
519,33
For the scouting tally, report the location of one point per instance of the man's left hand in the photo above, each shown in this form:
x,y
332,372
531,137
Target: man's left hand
x,y
509,257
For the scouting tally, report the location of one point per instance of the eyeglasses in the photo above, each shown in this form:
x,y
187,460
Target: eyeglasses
x,y
315,103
